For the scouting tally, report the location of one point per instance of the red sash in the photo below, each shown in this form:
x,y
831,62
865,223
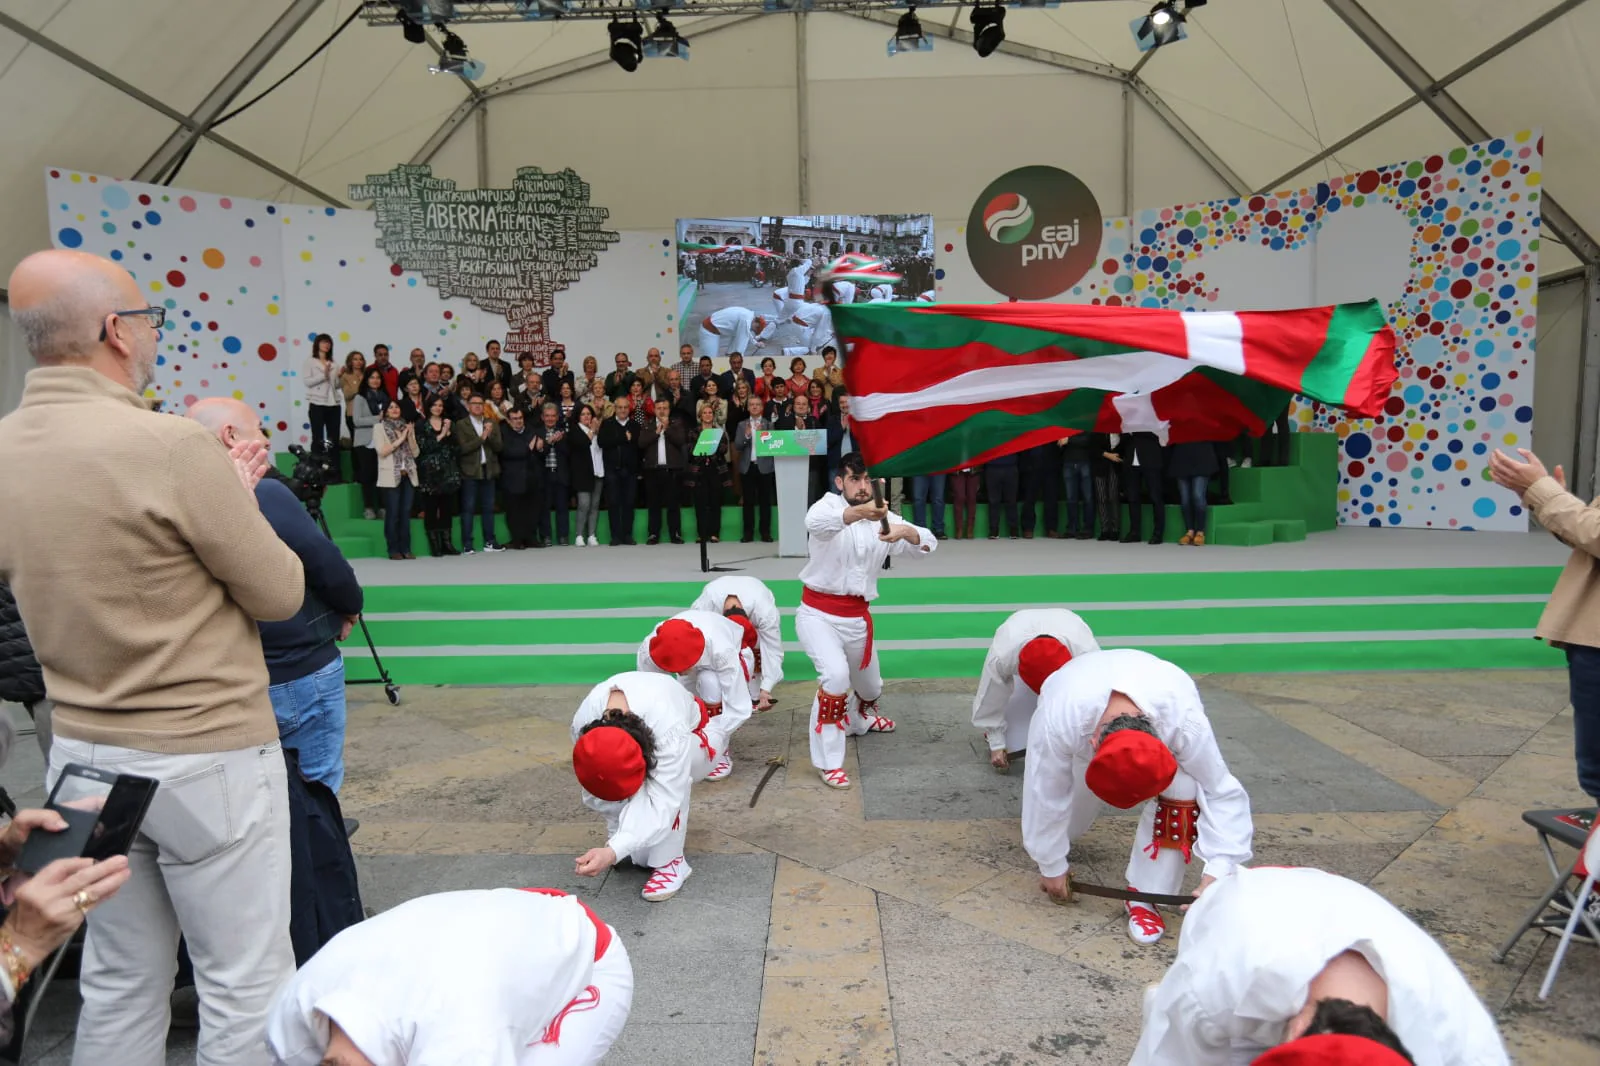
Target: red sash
x,y
843,607
602,931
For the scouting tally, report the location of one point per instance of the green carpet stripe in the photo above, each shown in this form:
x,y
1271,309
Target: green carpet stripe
x,y
1106,623
1244,658
1044,588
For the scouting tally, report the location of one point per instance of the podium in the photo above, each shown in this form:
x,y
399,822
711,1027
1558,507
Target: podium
x,y
791,451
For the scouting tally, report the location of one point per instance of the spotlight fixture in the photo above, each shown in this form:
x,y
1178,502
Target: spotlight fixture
x,y
414,31
988,28
1163,25
908,35
455,60
627,44
535,10
664,41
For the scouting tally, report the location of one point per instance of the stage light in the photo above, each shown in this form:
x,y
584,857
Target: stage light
x,y
535,10
455,59
627,44
414,31
664,42
1163,25
1162,14
908,35
988,28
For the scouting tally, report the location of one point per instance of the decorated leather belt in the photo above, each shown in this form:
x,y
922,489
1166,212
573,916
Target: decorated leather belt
x,y
1177,827
843,607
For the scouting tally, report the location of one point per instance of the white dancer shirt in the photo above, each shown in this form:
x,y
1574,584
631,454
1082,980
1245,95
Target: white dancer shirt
x,y
515,960
881,294
845,560
1061,743
762,608
844,292
721,659
796,280
1000,666
1244,970
818,322
646,818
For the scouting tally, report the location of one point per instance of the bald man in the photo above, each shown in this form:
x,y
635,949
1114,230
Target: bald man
x,y
141,563
305,670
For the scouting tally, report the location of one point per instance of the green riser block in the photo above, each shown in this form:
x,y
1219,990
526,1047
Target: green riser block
x,y
1241,534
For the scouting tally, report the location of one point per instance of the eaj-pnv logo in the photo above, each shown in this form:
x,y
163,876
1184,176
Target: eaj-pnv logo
x,y
1034,232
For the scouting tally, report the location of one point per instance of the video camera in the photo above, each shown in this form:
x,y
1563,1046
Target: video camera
x,y
309,478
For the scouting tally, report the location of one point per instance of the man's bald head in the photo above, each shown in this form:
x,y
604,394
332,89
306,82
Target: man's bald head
x,y
230,420
63,300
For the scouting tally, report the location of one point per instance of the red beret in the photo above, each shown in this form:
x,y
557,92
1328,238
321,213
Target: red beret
x,y
749,637
1041,657
1331,1049
1130,767
676,645
609,763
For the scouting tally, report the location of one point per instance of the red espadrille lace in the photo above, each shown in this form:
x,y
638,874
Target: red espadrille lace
x,y
836,778
664,877
1148,921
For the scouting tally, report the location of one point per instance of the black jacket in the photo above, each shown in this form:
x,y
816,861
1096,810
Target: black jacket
x,y
677,447
21,679
619,446
561,475
516,460
324,897
306,643
580,462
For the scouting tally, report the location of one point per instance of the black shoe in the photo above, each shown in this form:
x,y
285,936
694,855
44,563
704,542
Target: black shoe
x,y
1156,538
677,539
747,540
1130,538
1086,535
766,538
449,548
652,540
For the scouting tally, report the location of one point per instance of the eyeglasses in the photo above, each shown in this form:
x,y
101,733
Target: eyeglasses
x,y
157,316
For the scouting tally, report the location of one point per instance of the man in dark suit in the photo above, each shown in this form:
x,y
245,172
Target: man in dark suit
x,y
478,442
620,380
697,385
758,476
1143,466
663,448
555,374
496,368
520,481
736,373
550,462
619,447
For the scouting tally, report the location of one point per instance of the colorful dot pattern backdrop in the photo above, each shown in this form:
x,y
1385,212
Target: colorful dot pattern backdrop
x,y
1464,323
247,284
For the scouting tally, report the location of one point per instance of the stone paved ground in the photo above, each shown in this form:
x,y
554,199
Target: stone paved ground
x,y
900,922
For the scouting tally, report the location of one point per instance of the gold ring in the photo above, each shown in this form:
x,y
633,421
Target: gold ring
x,y
83,901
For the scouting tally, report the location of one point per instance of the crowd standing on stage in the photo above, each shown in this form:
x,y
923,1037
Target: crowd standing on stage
x,y
192,653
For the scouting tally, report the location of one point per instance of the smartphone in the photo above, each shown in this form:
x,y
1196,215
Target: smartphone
x,y
103,811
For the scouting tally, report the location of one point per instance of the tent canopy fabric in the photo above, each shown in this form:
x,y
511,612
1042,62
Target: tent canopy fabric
x,y
1270,94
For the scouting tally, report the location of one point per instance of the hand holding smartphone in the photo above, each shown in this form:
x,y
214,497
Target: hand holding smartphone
x,y
103,812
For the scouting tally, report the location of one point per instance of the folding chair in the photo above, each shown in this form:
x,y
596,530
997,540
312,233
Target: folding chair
x,y
1580,909
1570,827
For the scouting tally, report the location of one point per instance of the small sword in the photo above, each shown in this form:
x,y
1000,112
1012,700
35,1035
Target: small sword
x,y
1128,895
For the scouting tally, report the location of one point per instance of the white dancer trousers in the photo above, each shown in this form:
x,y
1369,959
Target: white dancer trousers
x,y
671,846
586,1035
1162,874
835,646
710,344
1019,717
720,729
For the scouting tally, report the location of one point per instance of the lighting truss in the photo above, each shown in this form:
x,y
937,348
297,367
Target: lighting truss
x,y
466,12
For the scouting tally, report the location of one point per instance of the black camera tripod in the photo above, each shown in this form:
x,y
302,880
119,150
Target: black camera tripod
x,y
390,689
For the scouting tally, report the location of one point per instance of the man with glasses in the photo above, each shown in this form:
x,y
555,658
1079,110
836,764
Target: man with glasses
x,y
152,658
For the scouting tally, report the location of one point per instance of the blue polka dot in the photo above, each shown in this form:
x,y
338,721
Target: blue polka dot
x,y
409,281
69,237
1413,393
939,274
153,218
231,345
271,210
328,211
1358,446
1484,348
1454,445
1394,518
116,253
250,222
1524,414
109,227
366,307
1483,507
1491,381
1441,462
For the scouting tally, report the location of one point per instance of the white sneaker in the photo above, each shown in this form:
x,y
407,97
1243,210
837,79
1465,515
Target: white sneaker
x,y
723,768
666,880
493,548
468,551
578,541
1145,926
594,541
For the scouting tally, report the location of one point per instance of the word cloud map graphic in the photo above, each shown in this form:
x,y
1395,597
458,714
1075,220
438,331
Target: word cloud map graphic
x,y
508,251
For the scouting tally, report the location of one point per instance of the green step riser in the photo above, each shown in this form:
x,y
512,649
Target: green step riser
x,y
1244,658
901,587
982,624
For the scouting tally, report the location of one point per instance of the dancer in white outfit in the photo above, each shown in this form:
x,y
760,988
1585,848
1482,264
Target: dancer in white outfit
x,y
706,652
503,977
746,597
1128,728
793,292
1027,648
847,550
880,294
733,329
639,742
1242,984
818,323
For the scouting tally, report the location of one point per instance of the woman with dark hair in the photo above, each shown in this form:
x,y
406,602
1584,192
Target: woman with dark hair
x,y
395,441
1192,466
820,405
497,405
323,399
706,477
367,411
588,472
566,403
411,403
768,379
438,476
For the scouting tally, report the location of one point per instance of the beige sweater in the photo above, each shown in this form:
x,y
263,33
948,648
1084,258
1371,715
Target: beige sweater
x,y
140,563
1573,614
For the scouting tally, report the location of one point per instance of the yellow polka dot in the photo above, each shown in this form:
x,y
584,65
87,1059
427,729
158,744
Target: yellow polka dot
x,y
1344,495
1141,282
77,179
1510,438
272,309
155,286
237,395
305,257
1460,380
1524,281
1534,178
1522,136
1417,431
344,338
80,218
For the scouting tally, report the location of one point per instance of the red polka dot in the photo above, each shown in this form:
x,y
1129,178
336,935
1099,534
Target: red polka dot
x,y
55,173
212,326
949,247
1357,468
176,279
267,354
281,425
144,199
1396,433
1109,266
1257,203
225,203
1461,289
1394,405
186,202
449,315
1366,183
1434,164
205,296
395,270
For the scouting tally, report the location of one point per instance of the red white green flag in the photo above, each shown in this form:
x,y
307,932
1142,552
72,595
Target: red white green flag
x,y
937,386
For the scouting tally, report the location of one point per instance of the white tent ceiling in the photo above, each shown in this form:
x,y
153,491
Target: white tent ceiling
x,y
1272,92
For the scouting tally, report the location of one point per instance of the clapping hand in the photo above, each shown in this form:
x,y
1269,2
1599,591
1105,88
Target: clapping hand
x,y
1519,477
250,462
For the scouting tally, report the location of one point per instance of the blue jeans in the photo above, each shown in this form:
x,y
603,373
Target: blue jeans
x,y
926,489
1192,501
310,713
397,516
1078,482
477,497
1583,680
